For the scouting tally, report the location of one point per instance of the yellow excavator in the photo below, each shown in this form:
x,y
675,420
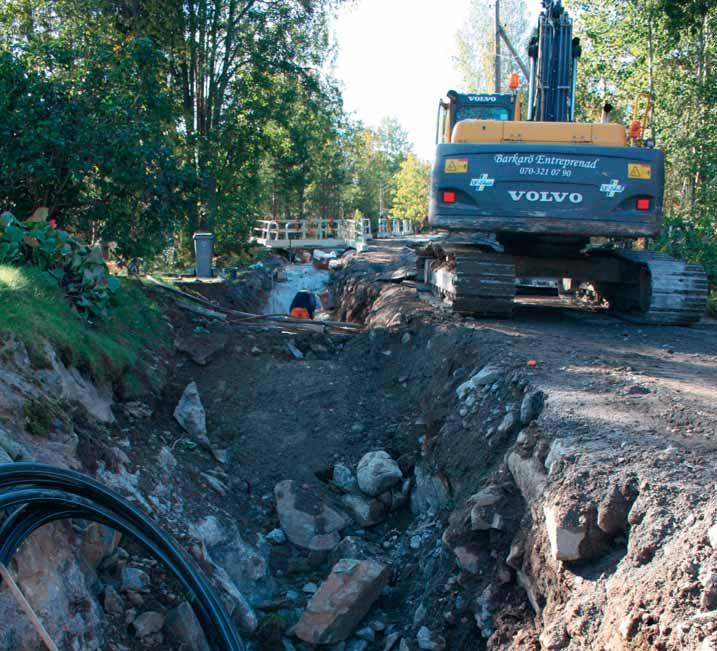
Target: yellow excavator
x,y
513,197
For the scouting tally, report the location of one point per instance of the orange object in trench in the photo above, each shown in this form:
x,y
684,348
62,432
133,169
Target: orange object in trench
x,y
300,313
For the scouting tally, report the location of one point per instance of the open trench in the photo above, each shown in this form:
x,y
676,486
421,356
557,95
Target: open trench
x,y
310,421
407,487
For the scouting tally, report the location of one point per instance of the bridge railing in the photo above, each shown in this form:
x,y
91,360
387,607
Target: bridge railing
x,y
395,228
311,231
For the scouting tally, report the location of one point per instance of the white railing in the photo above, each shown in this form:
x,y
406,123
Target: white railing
x,y
395,228
312,232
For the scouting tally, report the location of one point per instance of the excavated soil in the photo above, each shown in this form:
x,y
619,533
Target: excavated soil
x,y
632,475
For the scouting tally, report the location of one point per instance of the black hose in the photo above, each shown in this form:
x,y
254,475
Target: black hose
x,y
42,494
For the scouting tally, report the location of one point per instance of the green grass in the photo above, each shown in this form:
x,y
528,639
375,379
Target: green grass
x,y
34,309
712,304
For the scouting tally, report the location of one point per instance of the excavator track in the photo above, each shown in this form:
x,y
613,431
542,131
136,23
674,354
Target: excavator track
x,y
667,291
472,281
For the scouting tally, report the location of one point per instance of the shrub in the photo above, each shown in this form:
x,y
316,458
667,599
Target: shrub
x,y
79,269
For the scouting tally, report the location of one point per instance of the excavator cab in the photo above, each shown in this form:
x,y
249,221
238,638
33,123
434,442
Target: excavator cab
x,y
474,106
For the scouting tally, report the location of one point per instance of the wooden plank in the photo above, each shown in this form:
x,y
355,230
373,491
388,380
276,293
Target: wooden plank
x,y
27,608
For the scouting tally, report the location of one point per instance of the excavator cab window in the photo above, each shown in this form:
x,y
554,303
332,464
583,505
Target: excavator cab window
x,y
482,113
441,123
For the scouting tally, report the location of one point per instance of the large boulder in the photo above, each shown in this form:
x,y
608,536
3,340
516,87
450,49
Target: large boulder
x,y
342,601
307,517
189,412
377,472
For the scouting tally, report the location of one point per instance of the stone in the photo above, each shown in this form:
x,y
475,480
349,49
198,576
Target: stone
x,y
137,410
98,542
488,496
13,449
531,406
200,348
529,476
344,478
184,629
712,536
709,596
217,484
133,579
276,536
210,531
430,641
310,588
68,384
483,610
342,601
307,517
112,602
246,566
398,496
467,559
487,375
294,351
167,461
431,491
243,612
565,534
148,623
366,512
612,513
507,425
189,412
391,641
377,472
558,450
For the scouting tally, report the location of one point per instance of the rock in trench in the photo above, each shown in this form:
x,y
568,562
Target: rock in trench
x,y
377,472
342,601
430,641
366,512
307,517
148,623
189,412
532,406
183,628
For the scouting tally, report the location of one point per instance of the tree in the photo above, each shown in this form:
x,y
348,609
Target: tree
x,y
475,60
393,143
668,49
202,123
410,198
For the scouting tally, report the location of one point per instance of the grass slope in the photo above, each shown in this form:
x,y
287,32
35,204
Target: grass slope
x,y
34,309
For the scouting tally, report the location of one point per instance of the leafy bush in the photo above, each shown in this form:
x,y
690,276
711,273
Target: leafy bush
x,y
80,270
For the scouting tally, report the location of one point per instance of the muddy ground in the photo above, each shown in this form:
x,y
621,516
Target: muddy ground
x,y
632,476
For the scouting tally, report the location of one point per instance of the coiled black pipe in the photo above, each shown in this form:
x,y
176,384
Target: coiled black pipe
x,y
38,494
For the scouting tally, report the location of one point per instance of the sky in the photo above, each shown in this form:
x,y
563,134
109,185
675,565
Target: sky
x,y
395,59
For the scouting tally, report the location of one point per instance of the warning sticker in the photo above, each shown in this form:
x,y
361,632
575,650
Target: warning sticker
x,y
456,166
639,171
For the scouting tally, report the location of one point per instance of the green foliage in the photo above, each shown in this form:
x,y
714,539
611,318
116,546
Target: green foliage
x,y
410,199
36,310
79,269
475,60
669,49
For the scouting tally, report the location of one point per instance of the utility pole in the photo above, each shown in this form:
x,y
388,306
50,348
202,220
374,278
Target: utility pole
x,y
497,46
